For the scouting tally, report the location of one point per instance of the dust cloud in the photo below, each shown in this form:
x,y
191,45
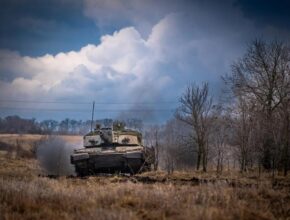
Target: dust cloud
x,y
53,155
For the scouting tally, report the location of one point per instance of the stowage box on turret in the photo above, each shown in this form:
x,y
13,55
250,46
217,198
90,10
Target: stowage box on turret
x,y
112,151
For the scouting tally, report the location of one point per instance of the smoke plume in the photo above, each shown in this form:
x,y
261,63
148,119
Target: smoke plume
x,y
53,155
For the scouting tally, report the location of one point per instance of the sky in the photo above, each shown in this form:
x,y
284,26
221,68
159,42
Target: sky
x,y
134,58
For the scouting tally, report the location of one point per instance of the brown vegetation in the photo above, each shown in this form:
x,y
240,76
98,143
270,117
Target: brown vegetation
x,y
182,195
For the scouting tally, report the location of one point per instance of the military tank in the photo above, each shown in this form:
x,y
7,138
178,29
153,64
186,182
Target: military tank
x,y
108,150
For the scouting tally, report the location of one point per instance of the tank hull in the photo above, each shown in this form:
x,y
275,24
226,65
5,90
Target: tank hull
x,y
92,164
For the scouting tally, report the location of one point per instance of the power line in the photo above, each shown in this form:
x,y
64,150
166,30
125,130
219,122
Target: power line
x,y
87,110
86,103
44,102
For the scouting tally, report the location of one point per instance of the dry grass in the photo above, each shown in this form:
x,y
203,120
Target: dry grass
x,y
28,141
155,195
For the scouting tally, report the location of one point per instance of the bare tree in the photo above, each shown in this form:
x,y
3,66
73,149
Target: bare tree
x,y
195,108
261,78
284,114
153,139
169,153
219,140
242,126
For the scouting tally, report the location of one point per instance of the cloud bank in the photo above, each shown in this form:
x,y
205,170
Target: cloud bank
x,y
152,60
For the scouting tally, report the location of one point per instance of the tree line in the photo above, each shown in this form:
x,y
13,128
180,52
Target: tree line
x,y
17,125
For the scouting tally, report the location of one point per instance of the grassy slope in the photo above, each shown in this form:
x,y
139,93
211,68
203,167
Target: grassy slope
x,y
25,195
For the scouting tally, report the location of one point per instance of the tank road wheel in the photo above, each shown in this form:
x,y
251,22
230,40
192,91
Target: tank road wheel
x,y
81,172
130,169
82,169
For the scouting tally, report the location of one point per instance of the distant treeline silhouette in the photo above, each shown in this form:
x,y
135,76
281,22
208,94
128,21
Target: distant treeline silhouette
x,y
17,125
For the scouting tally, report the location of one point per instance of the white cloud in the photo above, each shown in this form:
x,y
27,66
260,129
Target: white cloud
x,y
129,66
122,67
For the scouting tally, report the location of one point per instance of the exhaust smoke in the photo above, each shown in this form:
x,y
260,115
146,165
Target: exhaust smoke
x,y
53,155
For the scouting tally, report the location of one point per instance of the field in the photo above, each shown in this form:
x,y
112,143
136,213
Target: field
x,y
27,194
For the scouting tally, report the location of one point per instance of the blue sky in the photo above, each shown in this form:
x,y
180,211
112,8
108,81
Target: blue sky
x,y
134,58
35,27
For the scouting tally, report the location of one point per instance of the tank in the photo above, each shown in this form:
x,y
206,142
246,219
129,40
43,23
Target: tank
x,y
112,151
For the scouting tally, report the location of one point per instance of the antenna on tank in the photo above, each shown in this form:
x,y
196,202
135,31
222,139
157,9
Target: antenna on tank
x,y
92,116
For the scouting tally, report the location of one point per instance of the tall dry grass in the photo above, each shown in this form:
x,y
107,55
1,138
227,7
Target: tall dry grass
x,y
43,198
